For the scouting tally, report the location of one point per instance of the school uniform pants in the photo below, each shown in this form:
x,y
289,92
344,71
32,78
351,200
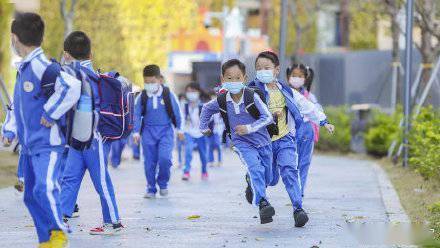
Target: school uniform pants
x,y
41,192
202,147
258,162
214,142
117,147
93,159
305,140
285,164
157,144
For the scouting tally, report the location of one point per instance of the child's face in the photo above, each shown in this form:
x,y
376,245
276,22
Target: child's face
x,y
233,74
266,64
297,73
151,80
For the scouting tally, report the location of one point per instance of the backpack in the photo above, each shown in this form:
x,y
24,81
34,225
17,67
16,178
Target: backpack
x,y
77,125
168,106
248,99
116,114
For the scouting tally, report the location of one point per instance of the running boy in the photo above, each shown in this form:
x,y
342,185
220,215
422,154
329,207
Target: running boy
x,y
249,134
38,130
77,49
156,112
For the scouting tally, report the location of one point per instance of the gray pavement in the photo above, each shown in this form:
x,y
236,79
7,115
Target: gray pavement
x,y
343,195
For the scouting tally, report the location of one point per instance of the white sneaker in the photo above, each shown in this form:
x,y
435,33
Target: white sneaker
x,y
149,195
163,192
107,229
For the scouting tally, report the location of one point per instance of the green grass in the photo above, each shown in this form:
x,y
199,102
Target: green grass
x,y
8,169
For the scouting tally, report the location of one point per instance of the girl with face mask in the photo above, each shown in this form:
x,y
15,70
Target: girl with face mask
x,y
288,108
193,137
300,78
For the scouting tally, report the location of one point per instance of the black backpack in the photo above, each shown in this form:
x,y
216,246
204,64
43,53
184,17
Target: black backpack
x,y
168,105
248,99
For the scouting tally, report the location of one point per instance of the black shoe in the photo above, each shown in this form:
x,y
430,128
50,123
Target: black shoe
x,y
300,217
266,212
75,213
248,192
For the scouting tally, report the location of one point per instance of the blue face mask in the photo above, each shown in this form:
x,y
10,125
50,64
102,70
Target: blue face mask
x,y
233,87
265,76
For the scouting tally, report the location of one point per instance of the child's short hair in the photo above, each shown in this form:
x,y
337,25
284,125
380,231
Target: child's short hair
x,y
29,28
231,63
152,71
270,56
78,45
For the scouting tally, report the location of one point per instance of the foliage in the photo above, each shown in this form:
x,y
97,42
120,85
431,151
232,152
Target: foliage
x,y
127,35
424,143
435,219
340,140
382,130
5,19
363,25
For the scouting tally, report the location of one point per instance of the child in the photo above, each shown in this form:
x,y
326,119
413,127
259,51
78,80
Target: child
x,y
77,49
117,147
156,112
36,118
249,134
288,108
193,137
215,140
180,143
300,78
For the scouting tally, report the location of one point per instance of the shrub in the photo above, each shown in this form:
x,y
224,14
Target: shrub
x,y
434,219
382,130
424,143
340,140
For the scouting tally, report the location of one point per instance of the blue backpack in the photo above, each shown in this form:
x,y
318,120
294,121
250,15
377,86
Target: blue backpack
x,y
116,115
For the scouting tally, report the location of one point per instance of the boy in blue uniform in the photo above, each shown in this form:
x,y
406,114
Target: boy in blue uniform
x,y
36,118
249,134
156,112
77,49
289,107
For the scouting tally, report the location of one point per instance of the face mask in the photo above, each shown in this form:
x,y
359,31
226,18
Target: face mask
x,y
265,76
151,88
296,82
193,96
233,87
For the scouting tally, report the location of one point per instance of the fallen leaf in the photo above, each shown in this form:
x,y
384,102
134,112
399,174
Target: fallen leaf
x,y
259,239
193,217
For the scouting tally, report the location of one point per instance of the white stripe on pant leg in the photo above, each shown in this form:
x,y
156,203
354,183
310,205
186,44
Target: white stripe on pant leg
x,y
50,187
250,178
102,175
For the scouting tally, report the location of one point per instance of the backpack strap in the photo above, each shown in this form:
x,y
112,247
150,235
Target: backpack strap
x,y
221,100
168,105
49,79
249,103
144,100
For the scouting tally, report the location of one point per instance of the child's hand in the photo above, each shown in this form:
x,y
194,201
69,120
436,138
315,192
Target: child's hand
x,y
241,130
45,122
207,132
330,128
6,142
136,138
181,136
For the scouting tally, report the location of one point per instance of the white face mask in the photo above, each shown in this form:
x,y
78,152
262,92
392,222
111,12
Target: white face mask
x,y
296,82
192,96
151,88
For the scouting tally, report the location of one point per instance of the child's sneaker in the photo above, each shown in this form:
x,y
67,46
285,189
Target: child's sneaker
x,y
163,192
58,239
300,217
248,192
75,213
149,195
107,229
205,176
266,211
19,186
185,176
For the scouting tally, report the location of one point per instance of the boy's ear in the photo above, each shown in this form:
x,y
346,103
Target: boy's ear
x,y
222,79
245,78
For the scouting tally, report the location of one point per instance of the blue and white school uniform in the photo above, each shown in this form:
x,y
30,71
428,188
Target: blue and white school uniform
x,y
157,137
193,137
215,140
42,147
95,160
285,154
254,148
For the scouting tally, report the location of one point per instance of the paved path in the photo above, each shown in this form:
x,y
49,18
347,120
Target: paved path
x,y
342,193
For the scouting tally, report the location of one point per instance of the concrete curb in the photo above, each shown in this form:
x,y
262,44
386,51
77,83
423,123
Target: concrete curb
x,y
391,201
